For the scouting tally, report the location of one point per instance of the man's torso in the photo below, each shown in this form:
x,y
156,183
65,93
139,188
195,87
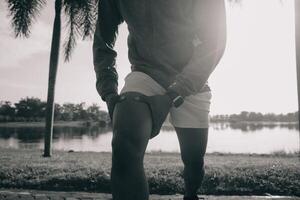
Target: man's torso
x,y
161,34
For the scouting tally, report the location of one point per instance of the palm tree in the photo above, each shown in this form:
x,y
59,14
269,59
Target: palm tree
x,y
54,56
81,15
297,28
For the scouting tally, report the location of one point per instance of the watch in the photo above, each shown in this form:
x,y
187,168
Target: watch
x,y
177,99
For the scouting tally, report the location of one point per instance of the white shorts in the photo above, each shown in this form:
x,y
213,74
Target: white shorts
x,y
193,113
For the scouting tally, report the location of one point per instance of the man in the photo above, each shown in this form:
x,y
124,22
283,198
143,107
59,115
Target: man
x,y
174,45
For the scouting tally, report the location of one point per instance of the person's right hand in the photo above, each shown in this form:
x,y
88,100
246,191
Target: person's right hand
x,y
111,101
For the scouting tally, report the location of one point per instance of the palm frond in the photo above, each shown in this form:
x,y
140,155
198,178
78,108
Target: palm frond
x,y
88,17
81,19
72,12
23,12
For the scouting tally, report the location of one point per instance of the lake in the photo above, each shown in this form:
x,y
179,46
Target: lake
x,y
223,138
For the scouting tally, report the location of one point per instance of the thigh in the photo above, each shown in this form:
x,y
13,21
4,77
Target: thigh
x,y
132,123
193,143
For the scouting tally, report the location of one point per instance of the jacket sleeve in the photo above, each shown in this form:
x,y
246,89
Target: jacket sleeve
x,y
209,45
104,55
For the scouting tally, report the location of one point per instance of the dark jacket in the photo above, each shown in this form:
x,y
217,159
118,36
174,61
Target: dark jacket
x,y
173,41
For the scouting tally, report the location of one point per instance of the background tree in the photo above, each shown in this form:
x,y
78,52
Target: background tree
x,y
7,111
80,112
57,112
81,16
94,112
33,109
67,113
30,108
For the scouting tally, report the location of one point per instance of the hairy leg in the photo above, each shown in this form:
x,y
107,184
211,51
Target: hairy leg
x,y
193,142
132,126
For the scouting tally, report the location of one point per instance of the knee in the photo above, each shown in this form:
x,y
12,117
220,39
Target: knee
x,y
128,147
125,149
194,162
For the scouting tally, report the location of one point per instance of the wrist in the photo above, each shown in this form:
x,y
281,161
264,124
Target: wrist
x,y
175,97
176,87
172,94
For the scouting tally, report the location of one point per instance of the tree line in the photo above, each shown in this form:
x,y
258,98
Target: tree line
x,y
256,117
32,109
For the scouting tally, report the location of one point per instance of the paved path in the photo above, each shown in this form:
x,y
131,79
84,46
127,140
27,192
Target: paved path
x,y
48,195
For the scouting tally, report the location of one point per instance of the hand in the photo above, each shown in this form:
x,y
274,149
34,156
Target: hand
x,y
111,101
160,106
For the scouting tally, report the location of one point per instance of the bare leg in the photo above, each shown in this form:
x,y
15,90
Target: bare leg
x,y
193,142
132,125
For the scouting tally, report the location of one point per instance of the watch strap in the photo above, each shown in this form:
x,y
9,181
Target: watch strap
x,y
176,98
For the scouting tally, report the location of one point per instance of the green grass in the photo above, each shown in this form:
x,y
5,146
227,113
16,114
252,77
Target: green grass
x,y
89,171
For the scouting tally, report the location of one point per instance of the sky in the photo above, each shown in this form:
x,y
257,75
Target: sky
x,y
257,72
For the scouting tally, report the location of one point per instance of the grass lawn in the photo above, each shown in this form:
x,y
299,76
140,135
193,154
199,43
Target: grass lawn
x,y
89,171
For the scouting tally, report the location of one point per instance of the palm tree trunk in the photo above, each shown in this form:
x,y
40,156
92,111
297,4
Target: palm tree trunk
x,y
297,28
54,57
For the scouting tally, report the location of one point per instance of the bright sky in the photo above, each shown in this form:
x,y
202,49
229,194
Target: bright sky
x,y
257,72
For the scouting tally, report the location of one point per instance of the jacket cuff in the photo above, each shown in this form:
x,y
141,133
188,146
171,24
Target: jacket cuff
x,y
107,88
178,88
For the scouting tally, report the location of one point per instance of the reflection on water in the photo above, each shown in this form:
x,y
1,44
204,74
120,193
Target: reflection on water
x,y
253,127
36,134
33,137
223,137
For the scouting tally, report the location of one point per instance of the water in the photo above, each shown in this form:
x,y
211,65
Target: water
x,y
225,138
